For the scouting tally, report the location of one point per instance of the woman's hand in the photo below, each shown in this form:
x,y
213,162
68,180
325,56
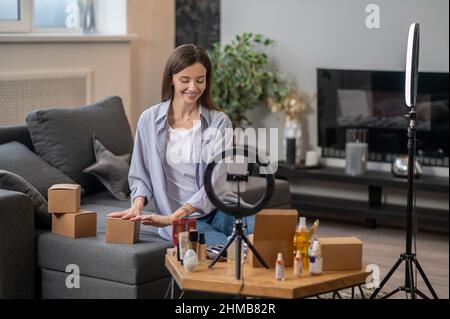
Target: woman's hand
x,y
154,220
126,214
133,211
164,220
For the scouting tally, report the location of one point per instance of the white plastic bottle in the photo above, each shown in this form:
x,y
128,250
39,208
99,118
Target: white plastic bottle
x,y
298,265
315,259
190,260
279,267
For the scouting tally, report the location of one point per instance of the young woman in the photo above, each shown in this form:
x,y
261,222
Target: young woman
x,y
172,146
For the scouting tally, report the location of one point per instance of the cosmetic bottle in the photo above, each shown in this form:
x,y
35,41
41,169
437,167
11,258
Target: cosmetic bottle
x,y
315,260
298,265
279,267
201,249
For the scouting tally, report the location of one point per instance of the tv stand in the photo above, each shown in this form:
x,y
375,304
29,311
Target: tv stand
x,y
369,211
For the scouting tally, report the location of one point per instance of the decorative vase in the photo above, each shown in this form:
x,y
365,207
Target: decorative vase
x,y
88,16
292,141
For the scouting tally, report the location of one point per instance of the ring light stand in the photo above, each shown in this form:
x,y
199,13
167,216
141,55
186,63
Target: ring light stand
x,y
238,211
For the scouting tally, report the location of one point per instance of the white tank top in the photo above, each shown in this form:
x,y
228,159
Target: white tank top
x,y
181,154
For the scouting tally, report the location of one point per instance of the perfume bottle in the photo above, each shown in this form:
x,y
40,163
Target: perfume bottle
x,y
301,241
279,267
298,265
316,261
201,248
88,16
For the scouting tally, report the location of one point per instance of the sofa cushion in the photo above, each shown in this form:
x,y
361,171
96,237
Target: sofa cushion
x,y
63,137
13,182
16,133
17,158
130,264
54,287
111,170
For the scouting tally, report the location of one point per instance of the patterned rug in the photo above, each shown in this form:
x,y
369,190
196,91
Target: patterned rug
x,y
347,294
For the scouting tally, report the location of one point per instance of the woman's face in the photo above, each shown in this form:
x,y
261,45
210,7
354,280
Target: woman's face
x,y
190,83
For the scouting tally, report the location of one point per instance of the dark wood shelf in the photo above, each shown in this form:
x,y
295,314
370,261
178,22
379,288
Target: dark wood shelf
x,y
429,219
373,210
374,178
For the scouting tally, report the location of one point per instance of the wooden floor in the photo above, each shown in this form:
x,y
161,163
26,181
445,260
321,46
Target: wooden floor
x,y
382,246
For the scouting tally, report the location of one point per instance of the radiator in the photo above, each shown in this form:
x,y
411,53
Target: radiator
x,y
22,92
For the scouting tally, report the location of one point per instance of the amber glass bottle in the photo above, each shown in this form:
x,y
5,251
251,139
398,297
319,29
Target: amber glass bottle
x,y
301,241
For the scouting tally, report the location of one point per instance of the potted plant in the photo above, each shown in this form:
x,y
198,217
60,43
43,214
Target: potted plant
x,y
242,77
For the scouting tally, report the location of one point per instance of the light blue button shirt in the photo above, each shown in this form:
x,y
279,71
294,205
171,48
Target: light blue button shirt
x,y
147,175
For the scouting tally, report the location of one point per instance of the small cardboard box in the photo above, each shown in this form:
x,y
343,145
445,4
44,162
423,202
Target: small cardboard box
x,y
64,198
341,253
274,233
122,231
81,224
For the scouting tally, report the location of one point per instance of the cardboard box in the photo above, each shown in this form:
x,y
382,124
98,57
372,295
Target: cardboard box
x,y
274,233
341,253
64,198
122,231
81,224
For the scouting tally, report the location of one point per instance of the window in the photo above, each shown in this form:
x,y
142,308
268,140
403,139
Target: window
x,y
15,15
56,14
9,10
62,16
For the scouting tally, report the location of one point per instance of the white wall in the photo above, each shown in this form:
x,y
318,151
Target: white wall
x,y
112,17
332,34
109,63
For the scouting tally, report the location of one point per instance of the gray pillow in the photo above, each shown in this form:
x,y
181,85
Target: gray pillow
x,y
17,158
63,137
111,170
13,182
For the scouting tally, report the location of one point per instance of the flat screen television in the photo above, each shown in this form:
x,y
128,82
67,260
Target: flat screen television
x,y
374,100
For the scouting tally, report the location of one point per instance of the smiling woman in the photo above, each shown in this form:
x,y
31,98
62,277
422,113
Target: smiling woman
x,y
189,85
171,142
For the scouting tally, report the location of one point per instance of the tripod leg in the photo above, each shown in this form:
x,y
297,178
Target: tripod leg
x,y
424,277
421,294
393,269
393,292
409,273
238,256
221,252
255,252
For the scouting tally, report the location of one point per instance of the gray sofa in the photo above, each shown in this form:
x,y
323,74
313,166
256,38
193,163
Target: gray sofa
x,y
33,261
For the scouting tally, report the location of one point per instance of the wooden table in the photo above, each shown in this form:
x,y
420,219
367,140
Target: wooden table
x,y
260,282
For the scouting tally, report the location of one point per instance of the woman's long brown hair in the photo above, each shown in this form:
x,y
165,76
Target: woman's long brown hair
x,y
182,57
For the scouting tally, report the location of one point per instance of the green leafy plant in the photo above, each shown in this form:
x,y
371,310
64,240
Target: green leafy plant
x,y
242,77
